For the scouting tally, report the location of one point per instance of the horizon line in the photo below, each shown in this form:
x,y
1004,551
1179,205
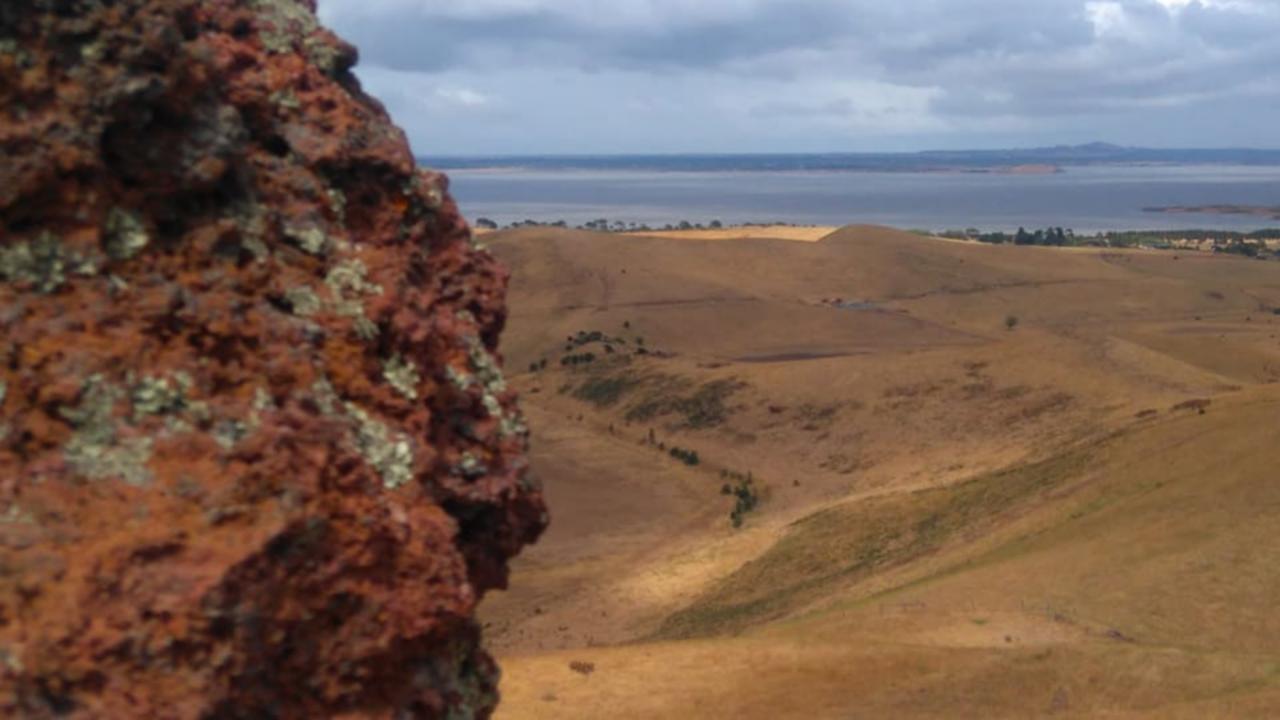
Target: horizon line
x,y
783,153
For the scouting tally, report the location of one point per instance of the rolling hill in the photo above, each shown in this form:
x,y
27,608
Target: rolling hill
x,y
989,481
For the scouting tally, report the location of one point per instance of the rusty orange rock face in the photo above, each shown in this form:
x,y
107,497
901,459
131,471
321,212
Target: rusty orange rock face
x,y
257,458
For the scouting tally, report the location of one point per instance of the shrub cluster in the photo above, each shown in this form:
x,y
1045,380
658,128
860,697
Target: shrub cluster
x,y
745,495
688,457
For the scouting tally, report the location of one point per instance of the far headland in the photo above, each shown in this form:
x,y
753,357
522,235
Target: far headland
x,y
1038,160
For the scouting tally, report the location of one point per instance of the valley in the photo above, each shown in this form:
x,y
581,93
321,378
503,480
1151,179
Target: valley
x,y
968,480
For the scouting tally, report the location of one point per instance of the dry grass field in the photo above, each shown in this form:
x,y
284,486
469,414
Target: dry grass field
x,y
988,481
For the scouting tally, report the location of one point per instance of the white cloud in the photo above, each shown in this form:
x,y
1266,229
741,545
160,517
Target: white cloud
x,y
462,96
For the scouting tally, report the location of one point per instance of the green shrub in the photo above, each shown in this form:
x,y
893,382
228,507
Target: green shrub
x,y
746,498
603,391
688,457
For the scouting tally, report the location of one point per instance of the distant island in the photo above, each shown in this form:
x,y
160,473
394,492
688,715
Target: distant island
x,y
1028,161
1272,213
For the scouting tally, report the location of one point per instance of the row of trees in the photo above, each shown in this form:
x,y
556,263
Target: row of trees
x,y
578,359
1049,236
607,225
1250,243
684,455
1054,236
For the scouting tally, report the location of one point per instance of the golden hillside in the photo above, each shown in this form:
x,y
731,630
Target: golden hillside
x,y
959,515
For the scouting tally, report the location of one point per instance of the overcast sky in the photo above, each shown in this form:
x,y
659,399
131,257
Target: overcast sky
x,y
601,76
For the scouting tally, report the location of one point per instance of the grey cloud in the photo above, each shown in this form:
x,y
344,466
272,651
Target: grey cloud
x,y
748,72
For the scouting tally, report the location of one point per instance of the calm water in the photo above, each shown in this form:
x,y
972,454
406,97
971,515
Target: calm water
x,y
1083,198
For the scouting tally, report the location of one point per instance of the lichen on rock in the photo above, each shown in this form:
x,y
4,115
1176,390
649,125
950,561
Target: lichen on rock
x,y
125,234
258,456
403,375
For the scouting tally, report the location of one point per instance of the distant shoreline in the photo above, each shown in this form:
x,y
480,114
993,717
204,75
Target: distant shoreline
x,y
1025,169
1021,161
1089,198
1271,213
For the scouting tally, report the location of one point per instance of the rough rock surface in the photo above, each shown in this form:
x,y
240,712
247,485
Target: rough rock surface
x,y
257,458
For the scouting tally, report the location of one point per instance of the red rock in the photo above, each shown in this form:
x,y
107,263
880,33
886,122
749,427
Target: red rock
x,y
256,455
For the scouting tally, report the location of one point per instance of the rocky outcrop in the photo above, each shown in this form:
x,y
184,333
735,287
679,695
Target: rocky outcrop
x,y
257,458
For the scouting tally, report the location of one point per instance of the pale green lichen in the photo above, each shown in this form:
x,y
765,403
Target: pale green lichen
x,y
283,24
309,238
322,52
488,375
469,467
303,301
256,247
262,402
127,460
402,375
92,416
488,372
17,516
43,262
458,378
91,53
23,59
95,451
251,219
116,285
285,98
229,432
491,405
350,278
159,395
288,24
513,424
338,204
427,186
326,399
124,235
349,284
391,454
365,329
9,658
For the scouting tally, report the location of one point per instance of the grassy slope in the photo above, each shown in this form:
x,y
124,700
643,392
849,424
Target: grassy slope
x,y
1146,590
962,521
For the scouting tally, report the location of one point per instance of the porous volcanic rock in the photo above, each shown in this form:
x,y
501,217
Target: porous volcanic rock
x,y
257,458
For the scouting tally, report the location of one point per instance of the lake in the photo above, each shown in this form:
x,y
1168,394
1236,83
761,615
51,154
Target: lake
x,y
1084,198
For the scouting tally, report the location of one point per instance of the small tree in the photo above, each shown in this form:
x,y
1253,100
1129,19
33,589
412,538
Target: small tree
x,y
1011,322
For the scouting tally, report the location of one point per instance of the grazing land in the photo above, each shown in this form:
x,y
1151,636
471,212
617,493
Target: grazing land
x,y
884,475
